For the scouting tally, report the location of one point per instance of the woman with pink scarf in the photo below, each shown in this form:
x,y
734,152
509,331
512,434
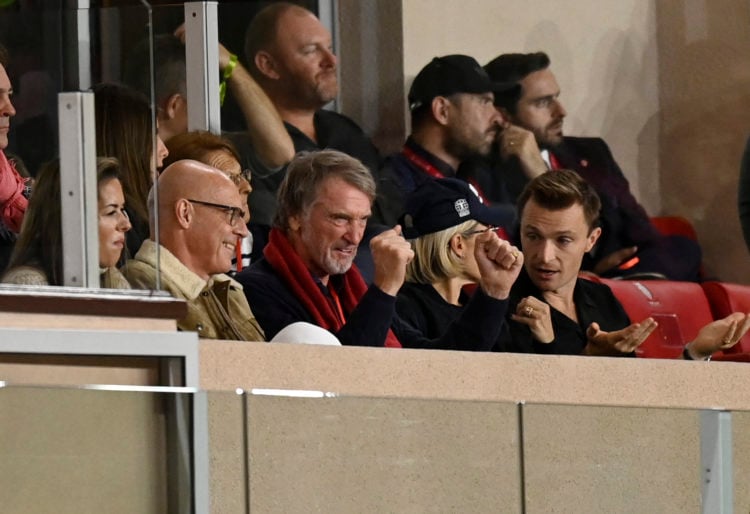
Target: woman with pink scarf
x,y
13,203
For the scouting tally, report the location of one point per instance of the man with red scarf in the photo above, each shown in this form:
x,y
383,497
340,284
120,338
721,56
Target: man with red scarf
x,y
13,203
307,272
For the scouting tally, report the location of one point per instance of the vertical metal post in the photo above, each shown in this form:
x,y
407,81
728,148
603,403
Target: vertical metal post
x,y
201,464
78,193
202,56
77,68
328,14
716,462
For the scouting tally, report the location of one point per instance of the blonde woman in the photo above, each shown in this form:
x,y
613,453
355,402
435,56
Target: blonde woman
x,y
443,218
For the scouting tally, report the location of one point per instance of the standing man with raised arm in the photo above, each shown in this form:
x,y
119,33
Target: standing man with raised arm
x,y
266,136
290,54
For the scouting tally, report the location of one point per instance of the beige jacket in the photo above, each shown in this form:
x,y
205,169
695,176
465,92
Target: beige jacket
x,y
217,309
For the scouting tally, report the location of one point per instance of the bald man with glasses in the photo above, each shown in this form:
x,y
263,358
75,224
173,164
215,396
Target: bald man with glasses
x,y
200,219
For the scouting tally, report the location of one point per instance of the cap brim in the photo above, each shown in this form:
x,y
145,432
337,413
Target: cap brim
x,y
495,215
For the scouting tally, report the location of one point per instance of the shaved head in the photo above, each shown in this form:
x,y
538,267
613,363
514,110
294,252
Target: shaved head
x,y
200,235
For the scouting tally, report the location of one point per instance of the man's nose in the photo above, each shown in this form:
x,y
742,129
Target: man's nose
x,y
499,118
329,58
240,229
355,232
548,251
559,109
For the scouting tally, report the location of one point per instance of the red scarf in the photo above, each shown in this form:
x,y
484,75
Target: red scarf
x,y
284,259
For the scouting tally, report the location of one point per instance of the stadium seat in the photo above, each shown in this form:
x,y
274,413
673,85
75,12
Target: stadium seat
x,y
679,226
675,226
680,308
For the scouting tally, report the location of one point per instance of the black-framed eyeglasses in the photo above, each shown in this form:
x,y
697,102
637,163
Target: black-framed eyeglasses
x,y
491,228
244,174
235,212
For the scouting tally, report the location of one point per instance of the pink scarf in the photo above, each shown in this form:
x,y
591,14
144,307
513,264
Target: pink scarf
x,y
12,202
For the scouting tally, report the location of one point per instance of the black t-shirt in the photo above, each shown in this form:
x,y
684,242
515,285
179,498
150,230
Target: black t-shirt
x,y
333,130
421,306
594,303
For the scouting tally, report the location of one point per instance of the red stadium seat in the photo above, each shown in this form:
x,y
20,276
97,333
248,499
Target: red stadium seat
x,y
675,226
725,299
680,308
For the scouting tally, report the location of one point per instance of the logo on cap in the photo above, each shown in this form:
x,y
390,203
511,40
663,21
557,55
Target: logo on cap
x,y
462,208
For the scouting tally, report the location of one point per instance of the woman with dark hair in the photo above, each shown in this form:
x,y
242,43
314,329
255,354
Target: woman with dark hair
x,y
220,153
38,255
124,131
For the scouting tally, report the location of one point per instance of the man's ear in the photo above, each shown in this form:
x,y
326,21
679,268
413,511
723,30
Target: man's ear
x,y
294,223
592,238
440,109
184,213
172,105
266,65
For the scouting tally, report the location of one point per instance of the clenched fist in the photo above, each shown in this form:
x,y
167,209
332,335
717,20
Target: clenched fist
x,y
390,254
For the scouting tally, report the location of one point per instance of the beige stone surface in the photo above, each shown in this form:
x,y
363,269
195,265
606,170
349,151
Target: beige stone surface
x,y
405,373
76,370
79,452
344,455
741,459
227,453
74,321
624,460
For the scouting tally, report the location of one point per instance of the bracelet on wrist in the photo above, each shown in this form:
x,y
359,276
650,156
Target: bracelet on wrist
x,y
228,70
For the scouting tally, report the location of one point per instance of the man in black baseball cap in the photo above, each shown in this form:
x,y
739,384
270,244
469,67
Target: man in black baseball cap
x,y
453,118
450,74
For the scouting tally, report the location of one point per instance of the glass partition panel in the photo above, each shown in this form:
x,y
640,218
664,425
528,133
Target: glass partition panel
x,y
79,450
611,459
84,213
382,455
741,459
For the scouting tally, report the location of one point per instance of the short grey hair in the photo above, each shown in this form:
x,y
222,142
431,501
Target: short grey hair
x,y
300,187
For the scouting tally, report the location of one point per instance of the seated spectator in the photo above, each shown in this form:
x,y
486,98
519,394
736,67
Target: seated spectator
x,y
533,142
124,131
552,309
289,53
200,220
13,195
453,118
38,256
444,238
218,152
307,273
